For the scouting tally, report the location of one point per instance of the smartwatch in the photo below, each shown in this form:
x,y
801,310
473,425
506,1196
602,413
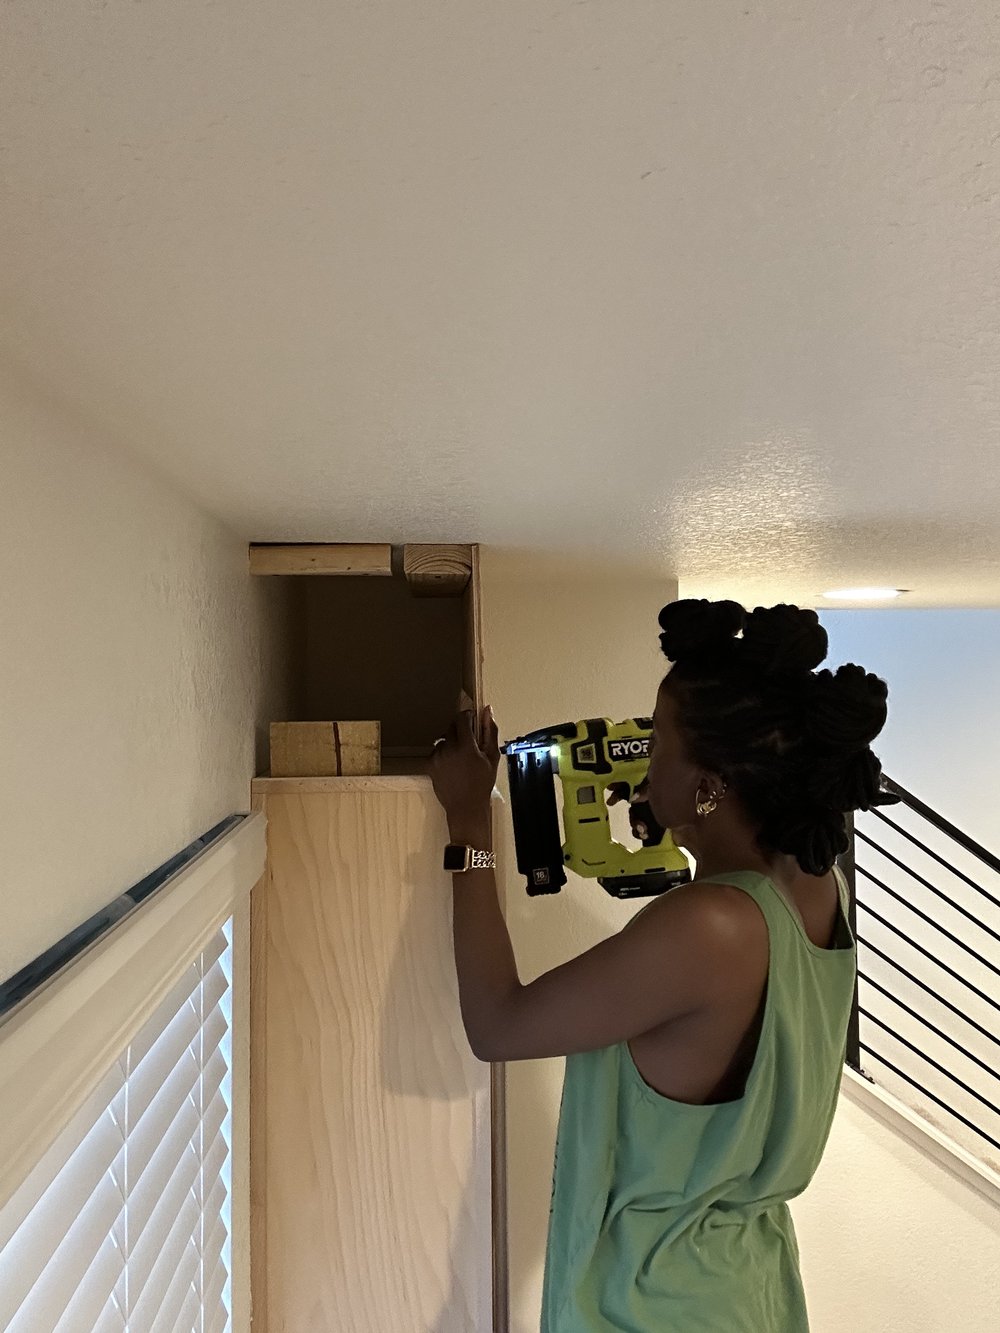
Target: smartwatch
x,y
459,858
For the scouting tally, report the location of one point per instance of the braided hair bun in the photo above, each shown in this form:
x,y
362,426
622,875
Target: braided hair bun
x,y
793,743
783,640
848,708
777,640
848,711
695,628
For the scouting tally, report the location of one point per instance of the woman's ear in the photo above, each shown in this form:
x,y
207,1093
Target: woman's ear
x,y
712,782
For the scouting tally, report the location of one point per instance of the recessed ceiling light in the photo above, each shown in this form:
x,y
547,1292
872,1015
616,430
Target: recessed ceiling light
x,y
864,594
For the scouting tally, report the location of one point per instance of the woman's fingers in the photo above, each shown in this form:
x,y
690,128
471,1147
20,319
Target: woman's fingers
x,y
492,733
487,735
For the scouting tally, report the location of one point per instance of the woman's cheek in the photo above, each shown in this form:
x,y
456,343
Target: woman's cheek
x,y
658,795
668,803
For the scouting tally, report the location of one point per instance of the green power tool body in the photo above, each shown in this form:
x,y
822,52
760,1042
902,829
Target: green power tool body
x,y
588,757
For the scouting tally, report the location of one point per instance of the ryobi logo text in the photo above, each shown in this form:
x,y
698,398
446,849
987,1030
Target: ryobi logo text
x,y
630,750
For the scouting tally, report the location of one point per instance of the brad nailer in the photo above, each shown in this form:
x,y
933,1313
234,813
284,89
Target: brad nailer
x,y
588,758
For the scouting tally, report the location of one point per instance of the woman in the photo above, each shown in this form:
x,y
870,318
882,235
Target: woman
x,y
705,1041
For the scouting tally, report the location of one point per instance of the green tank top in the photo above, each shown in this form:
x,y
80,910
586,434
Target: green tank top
x,y
669,1217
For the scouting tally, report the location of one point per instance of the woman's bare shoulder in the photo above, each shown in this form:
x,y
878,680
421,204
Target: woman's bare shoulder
x,y
712,906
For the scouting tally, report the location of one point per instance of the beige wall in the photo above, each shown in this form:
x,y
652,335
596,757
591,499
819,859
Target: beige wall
x,y
135,677
891,1240
139,667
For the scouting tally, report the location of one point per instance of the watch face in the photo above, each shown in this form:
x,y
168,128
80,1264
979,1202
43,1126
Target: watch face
x,y
454,857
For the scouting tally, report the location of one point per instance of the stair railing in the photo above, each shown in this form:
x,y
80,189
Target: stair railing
x,y
928,931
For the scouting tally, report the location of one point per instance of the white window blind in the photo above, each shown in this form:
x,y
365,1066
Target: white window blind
x,y
125,1223
116,1119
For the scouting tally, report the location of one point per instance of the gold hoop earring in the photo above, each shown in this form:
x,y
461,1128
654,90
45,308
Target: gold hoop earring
x,y
712,803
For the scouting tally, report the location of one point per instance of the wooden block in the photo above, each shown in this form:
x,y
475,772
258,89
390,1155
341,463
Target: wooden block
x,y
437,571
333,558
325,749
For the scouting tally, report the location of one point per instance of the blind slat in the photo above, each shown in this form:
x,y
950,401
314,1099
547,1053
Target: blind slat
x,y
86,1184
214,1032
44,1305
215,1285
94,1293
165,1015
111,1319
159,1144
181,1285
167,1191
218,1323
212,1123
190,1317
216,1197
214,1246
177,1246
216,959
60,1156
215,985
172,1047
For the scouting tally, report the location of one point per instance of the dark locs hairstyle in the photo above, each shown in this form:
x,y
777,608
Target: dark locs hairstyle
x,y
794,743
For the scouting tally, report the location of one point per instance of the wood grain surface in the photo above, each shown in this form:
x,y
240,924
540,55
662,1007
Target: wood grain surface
x,y
437,571
373,559
371,1119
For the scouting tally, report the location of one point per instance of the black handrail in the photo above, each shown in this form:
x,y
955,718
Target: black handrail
x,y
942,824
894,793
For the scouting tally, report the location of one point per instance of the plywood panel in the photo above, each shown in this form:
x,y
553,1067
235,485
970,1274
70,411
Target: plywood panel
x,y
372,1117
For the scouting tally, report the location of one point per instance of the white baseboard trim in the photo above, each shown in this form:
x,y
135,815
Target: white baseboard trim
x,y
922,1134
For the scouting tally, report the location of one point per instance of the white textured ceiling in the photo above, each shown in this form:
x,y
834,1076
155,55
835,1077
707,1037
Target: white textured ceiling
x,y
691,285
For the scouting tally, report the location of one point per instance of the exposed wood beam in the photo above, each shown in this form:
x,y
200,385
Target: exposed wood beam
x,y
437,570
329,558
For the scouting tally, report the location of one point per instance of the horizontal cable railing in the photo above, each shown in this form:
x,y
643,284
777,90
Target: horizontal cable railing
x,y
925,909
